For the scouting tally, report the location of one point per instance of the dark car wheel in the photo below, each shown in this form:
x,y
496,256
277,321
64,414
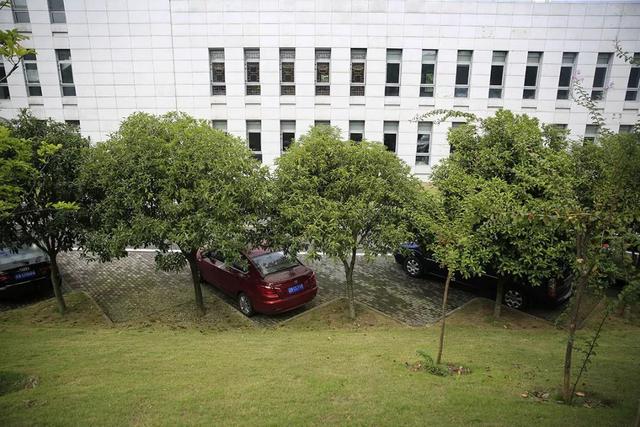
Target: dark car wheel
x,y
245,305
413,266
515,298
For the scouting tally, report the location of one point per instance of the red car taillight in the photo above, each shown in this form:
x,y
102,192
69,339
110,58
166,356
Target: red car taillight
x,y
4,277
269,289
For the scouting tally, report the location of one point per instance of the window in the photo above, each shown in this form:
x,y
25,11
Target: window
x,y
254,139
496,78
424,143
428,73
65,72
625,129
31,75
561,126
390,135
534,59
634,79
600,77
4,86
75,123
252,71
322,123
323,61
216,59
356,130
56,11
566,73
20,11
287,71
591,133
358,66
394,58
463,70
287,133
219,124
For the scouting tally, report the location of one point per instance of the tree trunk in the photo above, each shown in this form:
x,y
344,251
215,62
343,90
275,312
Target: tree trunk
x,y
497,308
349,266
55,282
581,285
195,278
444,315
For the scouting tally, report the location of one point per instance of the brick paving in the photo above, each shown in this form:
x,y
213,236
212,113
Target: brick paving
x,y
131,288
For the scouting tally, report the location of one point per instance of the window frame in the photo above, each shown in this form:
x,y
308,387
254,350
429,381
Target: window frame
x,y
27,60
496,63
424,129
598,93
56,12
393,126
5,93
219,124
322,88
288,88
460,86
424,87
251,127
287,127
20,11
216,56
252,88
60,63
538,65
631,92
356,127
572,68
393,88
358,88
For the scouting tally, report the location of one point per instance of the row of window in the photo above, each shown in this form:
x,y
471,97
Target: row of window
x,y
32,78
427,73
356,133
21,12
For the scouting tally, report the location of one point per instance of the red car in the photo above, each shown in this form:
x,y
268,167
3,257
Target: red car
x,y
272,282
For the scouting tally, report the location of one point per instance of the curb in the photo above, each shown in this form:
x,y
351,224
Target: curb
x,y
324,304
375,310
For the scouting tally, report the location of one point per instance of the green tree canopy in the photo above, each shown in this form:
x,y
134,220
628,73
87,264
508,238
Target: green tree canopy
x,y
16,170
340,197
173,181
50,209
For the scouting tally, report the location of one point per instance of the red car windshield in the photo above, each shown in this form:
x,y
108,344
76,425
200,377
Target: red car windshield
x,y
274,261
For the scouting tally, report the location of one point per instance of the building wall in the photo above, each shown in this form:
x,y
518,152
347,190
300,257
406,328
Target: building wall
x,y
153,55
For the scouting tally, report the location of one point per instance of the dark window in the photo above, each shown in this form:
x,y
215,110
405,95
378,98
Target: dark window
x,y
218,72
4,87
462,74
531,75
287,72
357,91
565,76
563,94
390,141
357,72
20,11
287,90
322,75
529,94
634,77
253,72
56,11
254,141
496,75
323,90
356,137
426,91
426,76
393,73
598,78
391,91
287,139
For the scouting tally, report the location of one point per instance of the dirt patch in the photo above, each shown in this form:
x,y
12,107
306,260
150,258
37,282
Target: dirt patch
x,y
15,381
479,312
81,311
335,315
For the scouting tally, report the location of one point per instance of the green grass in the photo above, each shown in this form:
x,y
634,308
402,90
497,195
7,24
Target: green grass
x,y
298,375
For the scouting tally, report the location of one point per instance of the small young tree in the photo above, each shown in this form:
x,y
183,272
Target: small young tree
x,y
49,213
340,197
529,164
172,181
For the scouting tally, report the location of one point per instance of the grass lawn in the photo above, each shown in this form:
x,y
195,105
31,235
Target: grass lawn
x,y
82,372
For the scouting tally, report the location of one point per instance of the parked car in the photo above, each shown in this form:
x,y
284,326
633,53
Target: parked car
x,y
417,262
272,282
22,271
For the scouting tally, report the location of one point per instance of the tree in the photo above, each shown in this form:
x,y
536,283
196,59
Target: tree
x,y
340,197
172,181
449,235
16,170
11,46
524,166
50,208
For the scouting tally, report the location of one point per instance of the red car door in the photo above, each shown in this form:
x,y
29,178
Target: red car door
x,y
235,279
212,270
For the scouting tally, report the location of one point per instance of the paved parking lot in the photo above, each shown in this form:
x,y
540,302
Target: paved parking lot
x,y
131,288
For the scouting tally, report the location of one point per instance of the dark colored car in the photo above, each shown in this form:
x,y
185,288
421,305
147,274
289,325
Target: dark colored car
x,y
417,262
23,271
272,282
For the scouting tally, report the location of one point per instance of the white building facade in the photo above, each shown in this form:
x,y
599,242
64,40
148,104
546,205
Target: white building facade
x,y
267,70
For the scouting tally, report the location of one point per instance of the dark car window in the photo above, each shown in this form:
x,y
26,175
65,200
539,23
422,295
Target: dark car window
x,y
274,261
